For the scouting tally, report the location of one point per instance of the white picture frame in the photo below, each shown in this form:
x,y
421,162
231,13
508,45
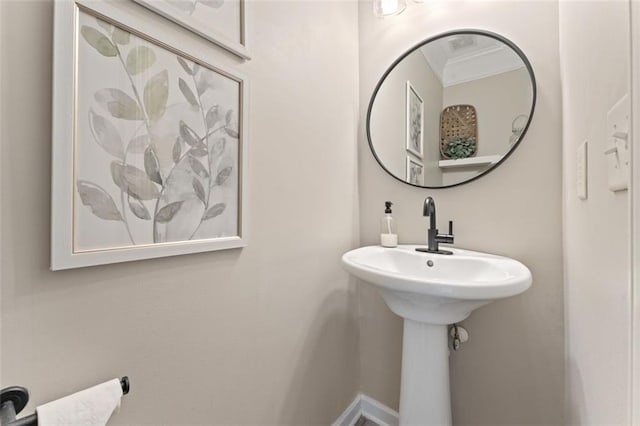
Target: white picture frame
x,y
414,115
414,172
88,216
211,23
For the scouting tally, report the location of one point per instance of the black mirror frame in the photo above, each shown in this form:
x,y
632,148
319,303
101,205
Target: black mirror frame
x,y
495,36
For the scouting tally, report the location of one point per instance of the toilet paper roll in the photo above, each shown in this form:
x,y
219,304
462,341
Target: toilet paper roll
x,y
90,407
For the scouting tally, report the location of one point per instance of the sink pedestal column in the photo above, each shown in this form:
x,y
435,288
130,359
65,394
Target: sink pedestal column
x,y
424,393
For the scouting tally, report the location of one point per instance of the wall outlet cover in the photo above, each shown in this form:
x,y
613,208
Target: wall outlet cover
x,y
581,171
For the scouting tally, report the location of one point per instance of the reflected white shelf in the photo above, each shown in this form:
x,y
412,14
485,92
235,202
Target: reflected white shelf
x,y
469,162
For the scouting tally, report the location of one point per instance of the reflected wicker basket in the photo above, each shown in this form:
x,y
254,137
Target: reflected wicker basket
x,y
460,121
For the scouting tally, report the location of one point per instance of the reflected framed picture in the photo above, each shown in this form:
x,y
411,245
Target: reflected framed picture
x,y
414,121
220,21
414,172
149,143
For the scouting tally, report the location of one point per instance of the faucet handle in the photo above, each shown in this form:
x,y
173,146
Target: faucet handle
x,y
450,227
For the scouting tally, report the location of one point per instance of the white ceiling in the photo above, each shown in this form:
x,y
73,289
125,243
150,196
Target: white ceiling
x,y
467,57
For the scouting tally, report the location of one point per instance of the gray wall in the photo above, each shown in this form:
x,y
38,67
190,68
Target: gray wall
x,y
262,335
511,371
594,35
388,118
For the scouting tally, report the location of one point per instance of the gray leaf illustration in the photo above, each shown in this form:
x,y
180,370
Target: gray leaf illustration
x,y
211,3
167,213
151,165
134,182
119,104
139,209
184,65
98,41
138,144
188,94
177,150
139,59
198,168
212,116
223,175
98,200
217,148
156,93
186,6
228,117
200,151
231,132
214,211
205,81
106,134
199,189
121,37
196,68
188,135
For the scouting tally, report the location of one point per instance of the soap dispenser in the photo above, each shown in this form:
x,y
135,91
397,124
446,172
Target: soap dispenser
x,y
388,236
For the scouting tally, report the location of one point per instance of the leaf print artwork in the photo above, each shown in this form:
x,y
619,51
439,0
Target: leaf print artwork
x,y
157,142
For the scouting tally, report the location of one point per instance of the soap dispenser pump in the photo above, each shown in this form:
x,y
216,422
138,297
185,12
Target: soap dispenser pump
x,y
388,236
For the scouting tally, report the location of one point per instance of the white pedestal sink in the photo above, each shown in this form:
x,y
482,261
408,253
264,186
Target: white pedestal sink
x,y
431,291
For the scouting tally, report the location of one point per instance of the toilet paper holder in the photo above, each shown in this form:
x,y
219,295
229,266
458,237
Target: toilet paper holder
x,y
13,400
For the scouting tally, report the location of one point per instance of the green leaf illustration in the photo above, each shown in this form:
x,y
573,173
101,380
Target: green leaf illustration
x,y
198,189
107,26
212,117
156,93
121,37
98,200
223,175
187,92
138,144
177,150
198,168
188,135
139,59
98,41
138,209
119,104
134,182
184,65
106,134
152,166
167,213
214,211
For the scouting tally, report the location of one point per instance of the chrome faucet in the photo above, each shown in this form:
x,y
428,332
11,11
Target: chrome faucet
x,y
433,238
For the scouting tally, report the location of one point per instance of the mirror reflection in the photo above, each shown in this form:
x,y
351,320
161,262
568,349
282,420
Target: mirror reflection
x,y
451,109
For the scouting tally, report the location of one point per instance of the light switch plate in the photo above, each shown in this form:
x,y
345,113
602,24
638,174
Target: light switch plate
x,y
617,145
581,171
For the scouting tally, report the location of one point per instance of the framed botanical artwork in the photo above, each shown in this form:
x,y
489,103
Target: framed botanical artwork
x,y
149,143
414,172
219,21
415,121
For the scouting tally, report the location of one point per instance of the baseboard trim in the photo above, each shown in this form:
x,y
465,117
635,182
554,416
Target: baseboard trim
x,y
364,405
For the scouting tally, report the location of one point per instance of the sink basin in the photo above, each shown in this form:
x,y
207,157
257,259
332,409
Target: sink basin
x,y
433,288
430,291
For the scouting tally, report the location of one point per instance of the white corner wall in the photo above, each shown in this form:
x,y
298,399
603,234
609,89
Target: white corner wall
x,y
262,335
512,369
594,51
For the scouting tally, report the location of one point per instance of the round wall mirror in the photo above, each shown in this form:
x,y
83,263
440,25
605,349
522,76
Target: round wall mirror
x,y
451,109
